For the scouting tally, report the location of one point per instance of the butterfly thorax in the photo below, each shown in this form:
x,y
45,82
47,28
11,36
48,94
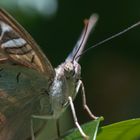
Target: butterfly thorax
x,y
64,85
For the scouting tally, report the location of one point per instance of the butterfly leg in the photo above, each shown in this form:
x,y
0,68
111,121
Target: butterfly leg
x,y
75,119
80,84
32,130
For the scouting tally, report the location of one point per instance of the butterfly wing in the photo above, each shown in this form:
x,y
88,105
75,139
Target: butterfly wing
x,y
23,93
18,46
21,85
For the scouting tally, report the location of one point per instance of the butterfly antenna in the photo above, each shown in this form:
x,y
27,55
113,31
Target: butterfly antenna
x,y
110,38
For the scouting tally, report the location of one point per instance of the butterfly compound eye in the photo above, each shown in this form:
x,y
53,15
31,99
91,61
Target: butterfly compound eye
x,y
69,69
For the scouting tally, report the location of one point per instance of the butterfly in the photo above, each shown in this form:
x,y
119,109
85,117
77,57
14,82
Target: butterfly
x,y
29,86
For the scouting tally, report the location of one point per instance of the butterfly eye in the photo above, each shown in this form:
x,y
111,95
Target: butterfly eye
x,y
69,66
69,70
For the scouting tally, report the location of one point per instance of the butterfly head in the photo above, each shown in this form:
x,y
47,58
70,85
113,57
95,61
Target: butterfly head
x,y
72,69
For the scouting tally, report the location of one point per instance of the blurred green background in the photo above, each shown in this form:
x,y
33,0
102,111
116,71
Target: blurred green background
x,y
110,72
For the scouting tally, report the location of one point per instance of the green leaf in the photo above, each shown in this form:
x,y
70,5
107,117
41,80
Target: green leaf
x,y
125,130
90,129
